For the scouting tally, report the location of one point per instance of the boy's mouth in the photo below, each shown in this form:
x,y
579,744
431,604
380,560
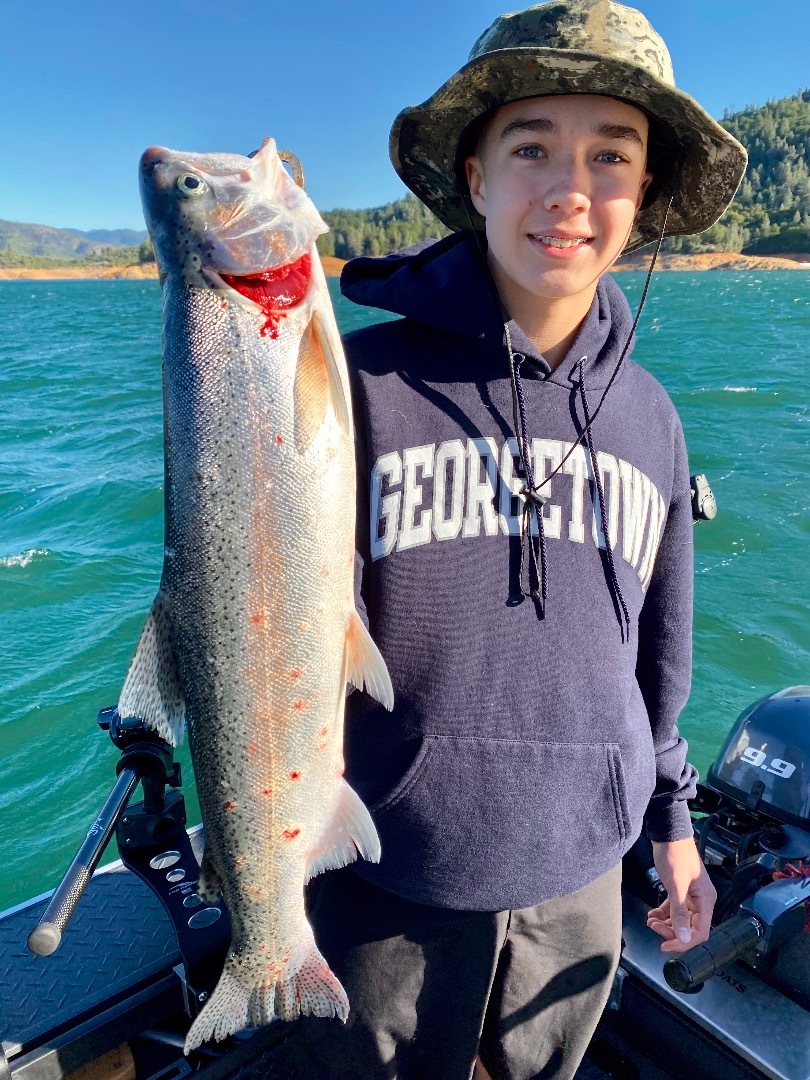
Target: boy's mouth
x,y
560,241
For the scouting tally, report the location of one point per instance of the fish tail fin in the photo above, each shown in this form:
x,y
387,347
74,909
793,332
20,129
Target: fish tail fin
x,y
304,984
227,1011
365,666
309,985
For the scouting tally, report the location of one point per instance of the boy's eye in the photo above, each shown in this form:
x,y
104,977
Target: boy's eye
x,y
611,156
528,151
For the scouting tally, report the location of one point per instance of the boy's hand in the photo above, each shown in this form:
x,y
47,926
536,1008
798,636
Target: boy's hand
x,y
685,917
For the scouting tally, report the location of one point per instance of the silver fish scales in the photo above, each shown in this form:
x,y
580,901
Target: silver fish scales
x,y
253,634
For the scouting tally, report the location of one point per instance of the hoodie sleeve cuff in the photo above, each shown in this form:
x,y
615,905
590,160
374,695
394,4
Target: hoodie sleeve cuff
x,y
668,821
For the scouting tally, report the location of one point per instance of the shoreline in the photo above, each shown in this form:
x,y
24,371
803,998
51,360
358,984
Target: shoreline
x,y
711,260
715,260
135,272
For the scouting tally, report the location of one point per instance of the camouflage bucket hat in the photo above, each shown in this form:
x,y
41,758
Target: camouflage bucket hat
x,y
572,47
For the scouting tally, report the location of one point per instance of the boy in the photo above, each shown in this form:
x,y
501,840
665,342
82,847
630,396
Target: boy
x,y
525,565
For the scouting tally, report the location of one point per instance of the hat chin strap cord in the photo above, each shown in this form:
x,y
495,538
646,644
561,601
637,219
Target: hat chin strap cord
x,y
530,491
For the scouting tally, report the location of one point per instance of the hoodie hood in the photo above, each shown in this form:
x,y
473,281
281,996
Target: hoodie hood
x,y
432,283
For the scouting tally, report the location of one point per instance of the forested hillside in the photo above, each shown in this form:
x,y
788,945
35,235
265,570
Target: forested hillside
x,y
771,213
376,232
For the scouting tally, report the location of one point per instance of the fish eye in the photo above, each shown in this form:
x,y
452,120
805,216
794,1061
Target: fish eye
x,y
191,184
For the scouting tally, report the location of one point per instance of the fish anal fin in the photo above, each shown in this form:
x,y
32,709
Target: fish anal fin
x,y
151,690
348,831
209,883
365,667
317,384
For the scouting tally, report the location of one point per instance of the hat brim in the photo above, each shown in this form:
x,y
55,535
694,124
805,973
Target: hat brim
x,y
425,138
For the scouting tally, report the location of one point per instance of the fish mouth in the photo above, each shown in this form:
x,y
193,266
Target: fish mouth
x,y
275,291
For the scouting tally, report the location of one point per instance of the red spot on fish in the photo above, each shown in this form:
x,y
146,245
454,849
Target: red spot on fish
x,y
231,806
295,674
262,948
285,959
290,834
252,748
279,439
267,791
295,775
321,746
298,704
275,291
259,618
324,731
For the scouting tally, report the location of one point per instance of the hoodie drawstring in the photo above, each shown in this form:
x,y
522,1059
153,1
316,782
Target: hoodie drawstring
x,y
531,496
614,580
532,499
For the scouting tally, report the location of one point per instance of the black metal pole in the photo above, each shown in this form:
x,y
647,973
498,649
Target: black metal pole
x,y
47,935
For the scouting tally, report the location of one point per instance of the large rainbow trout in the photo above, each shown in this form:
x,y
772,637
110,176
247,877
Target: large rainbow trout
x,y
253,634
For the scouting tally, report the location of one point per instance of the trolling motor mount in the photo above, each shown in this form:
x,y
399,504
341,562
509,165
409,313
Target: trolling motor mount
x,y
154,845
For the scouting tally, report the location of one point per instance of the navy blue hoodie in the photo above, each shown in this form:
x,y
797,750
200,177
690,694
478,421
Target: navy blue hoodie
x,y
529,741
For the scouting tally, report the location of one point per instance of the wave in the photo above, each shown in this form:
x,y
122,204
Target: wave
x,y
24,558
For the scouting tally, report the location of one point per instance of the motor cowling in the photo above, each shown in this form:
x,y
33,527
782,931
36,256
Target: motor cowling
x,y
764,764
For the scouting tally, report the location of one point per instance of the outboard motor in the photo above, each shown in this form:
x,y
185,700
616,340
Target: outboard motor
x,y
752,825
765,762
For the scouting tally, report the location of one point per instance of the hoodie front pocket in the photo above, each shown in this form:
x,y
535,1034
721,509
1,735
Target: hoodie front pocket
x,y
477,818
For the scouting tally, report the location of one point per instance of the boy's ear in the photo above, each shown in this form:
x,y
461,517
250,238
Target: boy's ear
x,y
476,183
646,180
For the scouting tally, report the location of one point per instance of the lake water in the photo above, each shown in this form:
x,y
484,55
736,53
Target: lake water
x,y
81,506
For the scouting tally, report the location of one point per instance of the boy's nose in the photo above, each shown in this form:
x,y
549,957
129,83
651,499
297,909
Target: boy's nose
x,y
568,189
570,201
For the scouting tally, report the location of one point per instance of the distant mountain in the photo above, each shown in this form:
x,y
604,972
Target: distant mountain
x,y
19,238
115,237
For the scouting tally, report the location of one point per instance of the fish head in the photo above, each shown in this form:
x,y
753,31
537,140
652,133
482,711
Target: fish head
x,y
217,215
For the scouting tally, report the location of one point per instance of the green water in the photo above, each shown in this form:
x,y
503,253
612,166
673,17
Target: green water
x,y
81,512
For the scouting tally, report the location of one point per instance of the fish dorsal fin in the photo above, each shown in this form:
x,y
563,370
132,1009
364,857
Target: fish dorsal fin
x,y
365,667
317,383
151,690
349,830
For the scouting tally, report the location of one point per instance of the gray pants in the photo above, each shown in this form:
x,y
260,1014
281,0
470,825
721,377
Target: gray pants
x,y
430,988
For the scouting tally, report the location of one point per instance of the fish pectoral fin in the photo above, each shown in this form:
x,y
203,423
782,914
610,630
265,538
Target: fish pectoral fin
x,y
151,690
337,387
349,830
365,667
317,383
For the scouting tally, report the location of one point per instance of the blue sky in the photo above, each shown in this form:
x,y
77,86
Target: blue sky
x,y
86,86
